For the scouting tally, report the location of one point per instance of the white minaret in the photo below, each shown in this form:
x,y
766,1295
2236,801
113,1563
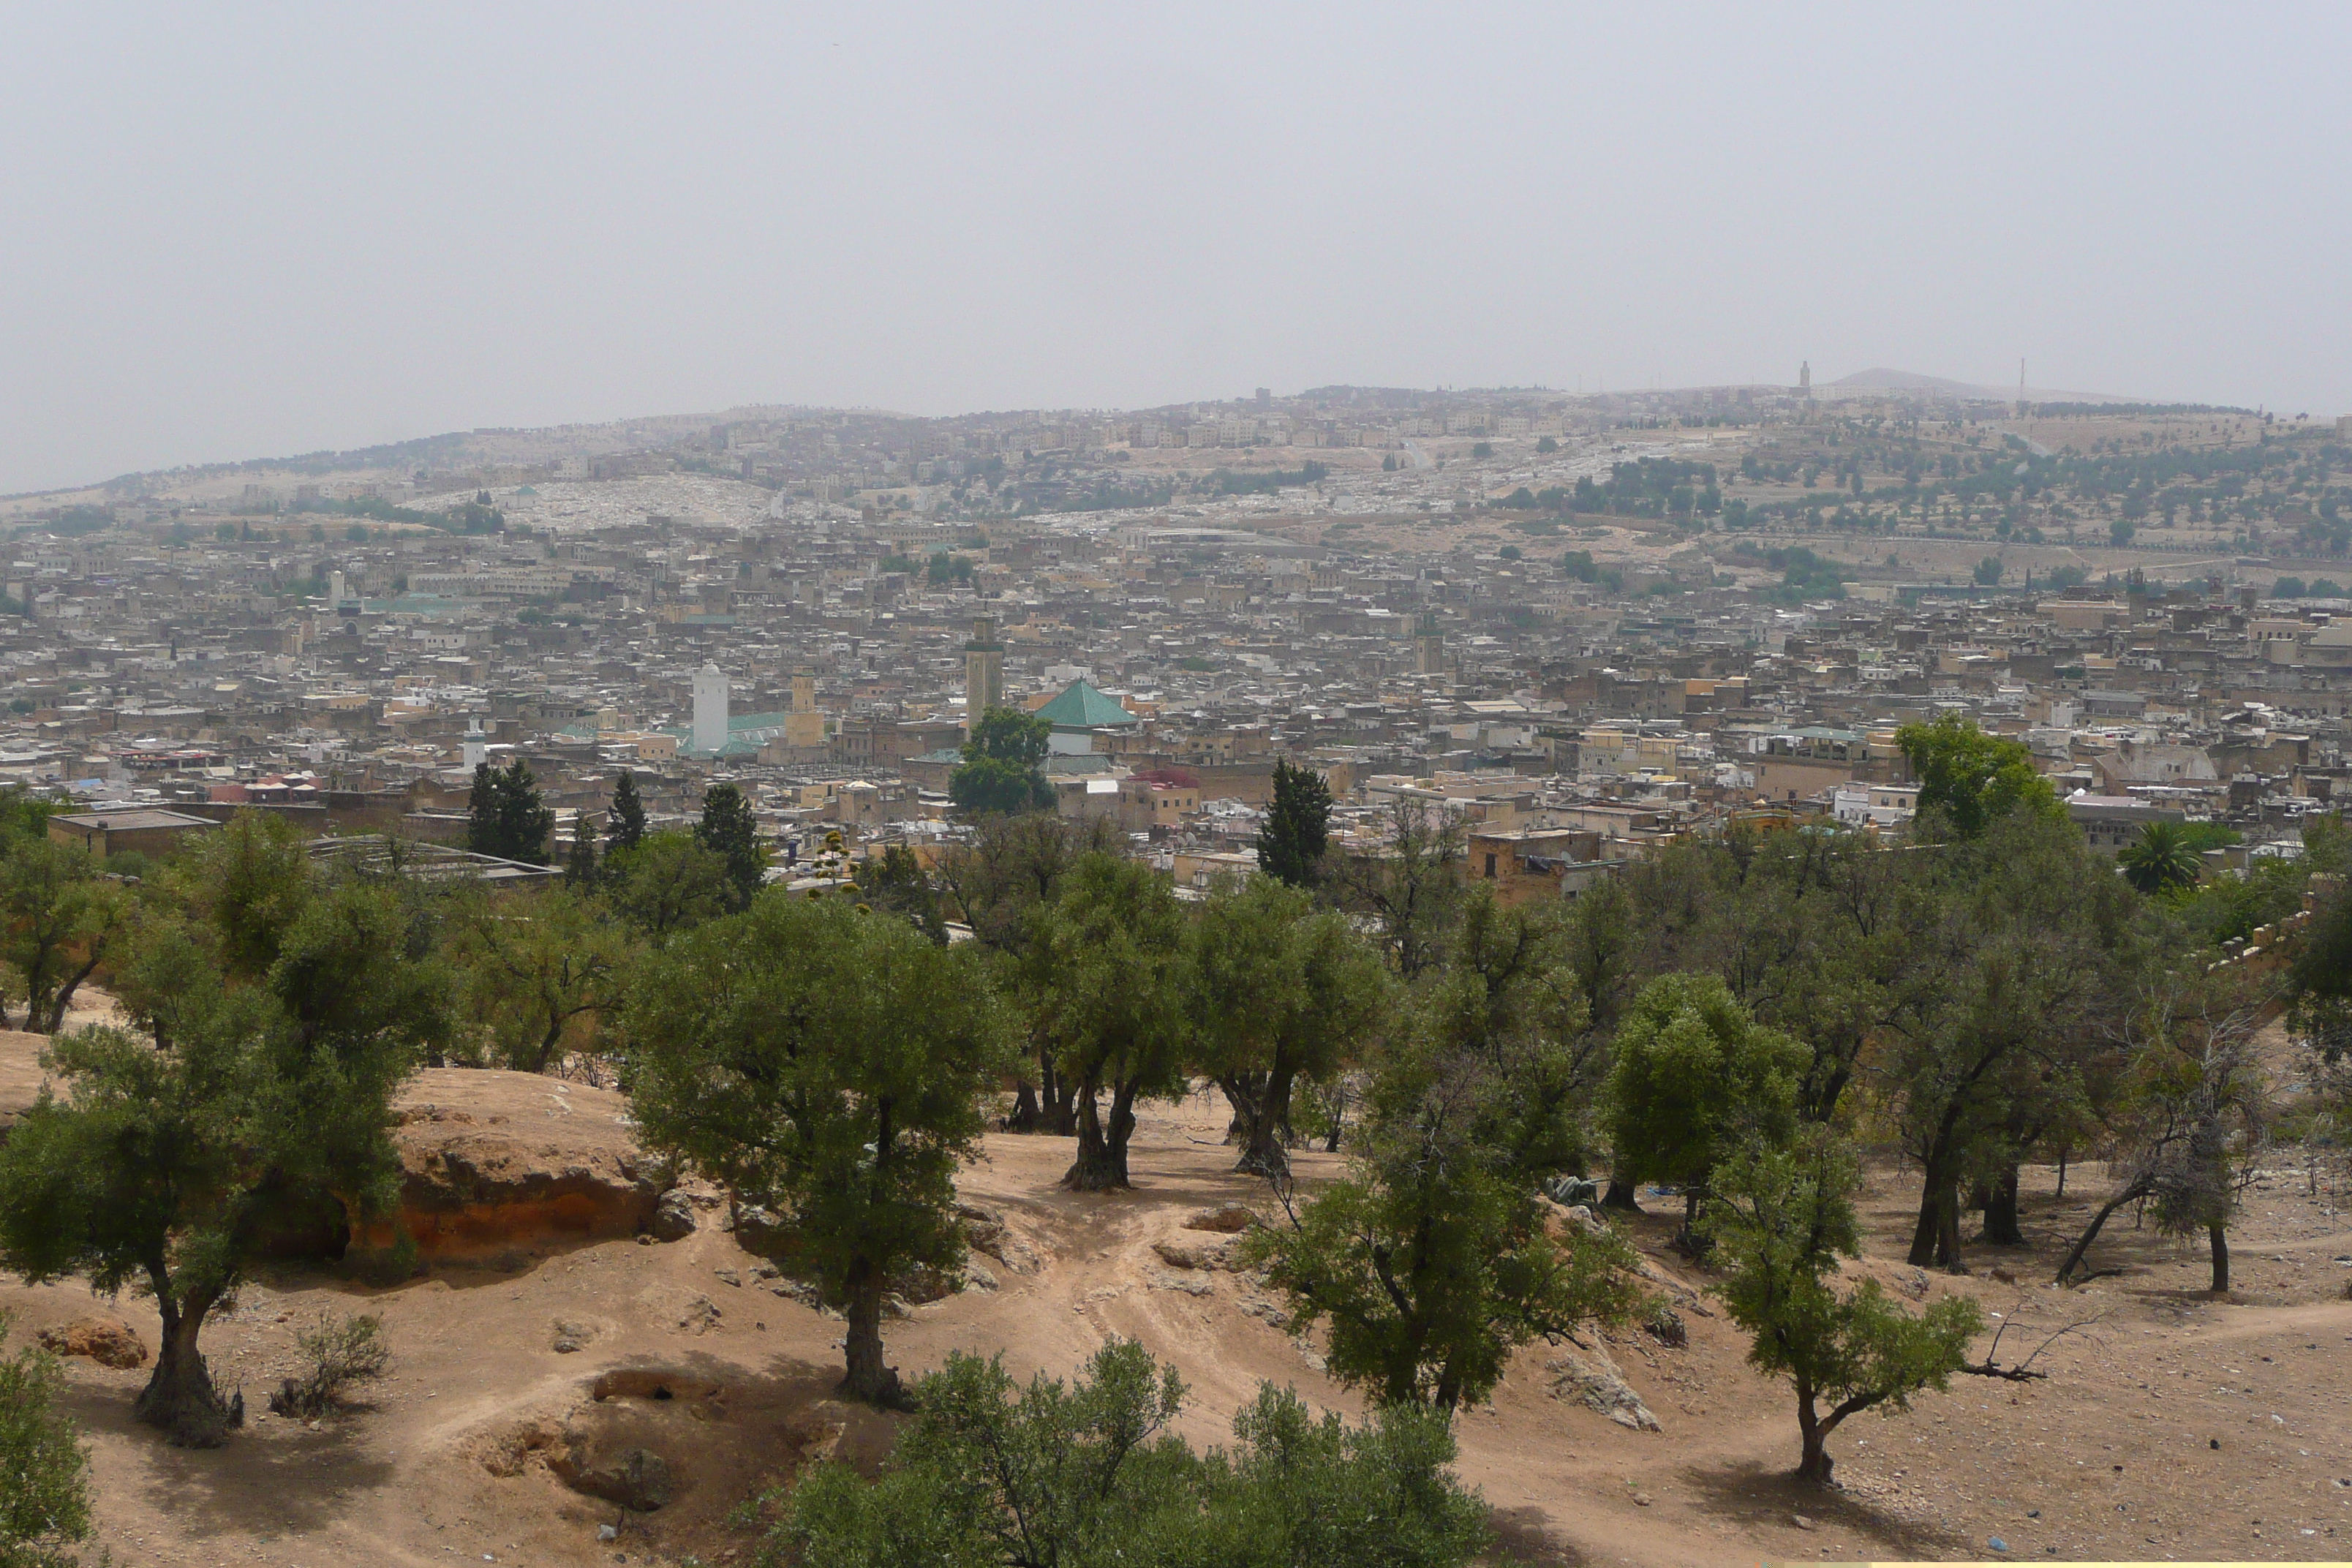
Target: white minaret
x,y
710,709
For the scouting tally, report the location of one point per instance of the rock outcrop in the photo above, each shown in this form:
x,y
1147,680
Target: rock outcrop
x,y
106,1341
493,1162
1586,1373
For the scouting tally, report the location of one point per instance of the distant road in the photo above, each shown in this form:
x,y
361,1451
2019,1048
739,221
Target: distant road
x,y
1415,456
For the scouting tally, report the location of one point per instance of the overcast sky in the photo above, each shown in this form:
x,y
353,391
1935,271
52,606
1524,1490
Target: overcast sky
x,y
233,231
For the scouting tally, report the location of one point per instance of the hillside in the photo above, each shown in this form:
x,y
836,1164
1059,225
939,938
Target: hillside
x,y
682,1349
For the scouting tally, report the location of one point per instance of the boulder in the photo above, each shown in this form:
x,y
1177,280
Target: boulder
x,y
763,1233
985,1232
493,1160
1586,1373
673,1218
637,1478
1177,1252
106,1341
1227,1219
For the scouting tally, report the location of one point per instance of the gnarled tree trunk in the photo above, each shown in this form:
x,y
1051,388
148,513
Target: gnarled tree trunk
x,y
180,1396
2136,1189
1101,1164
1261,1104
2000,1225
1620,1195
2219,1236
1935,1240
867,1379
1816,1464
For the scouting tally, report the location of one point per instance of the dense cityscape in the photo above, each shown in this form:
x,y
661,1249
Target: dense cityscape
x,y
1586,623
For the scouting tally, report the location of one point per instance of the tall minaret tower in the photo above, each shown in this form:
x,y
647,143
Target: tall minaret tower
x,y
983,673
1805,380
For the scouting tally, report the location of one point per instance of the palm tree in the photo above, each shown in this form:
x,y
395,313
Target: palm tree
x,y
2160,858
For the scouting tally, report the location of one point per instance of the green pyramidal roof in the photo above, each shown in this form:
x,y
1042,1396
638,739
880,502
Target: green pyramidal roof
x,y
1081,707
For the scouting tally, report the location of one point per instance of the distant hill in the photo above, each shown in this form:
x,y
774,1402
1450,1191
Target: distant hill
x,y
1882,379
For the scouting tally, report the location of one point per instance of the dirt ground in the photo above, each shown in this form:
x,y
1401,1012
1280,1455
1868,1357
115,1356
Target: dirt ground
x,y
2115,1455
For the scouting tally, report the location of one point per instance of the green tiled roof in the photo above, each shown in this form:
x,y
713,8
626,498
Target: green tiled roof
x,y
1081,707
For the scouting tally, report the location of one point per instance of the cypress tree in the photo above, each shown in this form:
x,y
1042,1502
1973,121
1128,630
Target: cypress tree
x,y
624,824
1298,825
728,829
508,819
580,864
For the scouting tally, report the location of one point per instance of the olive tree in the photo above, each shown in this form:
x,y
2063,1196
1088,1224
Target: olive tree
x,y
1104,974
44,1474
174,1169
1089,1474
1277,991
1436,1257
1694,1077
828,1064
1781,1219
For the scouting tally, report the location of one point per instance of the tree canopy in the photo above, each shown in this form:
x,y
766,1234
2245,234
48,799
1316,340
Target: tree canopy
x,y
1003,771
1971,778
827,1064
504,816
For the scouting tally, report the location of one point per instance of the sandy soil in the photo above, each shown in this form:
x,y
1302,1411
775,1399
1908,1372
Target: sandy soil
x,y
2112,1457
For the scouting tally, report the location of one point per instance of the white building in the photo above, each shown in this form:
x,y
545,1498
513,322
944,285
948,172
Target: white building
x,y
710,735
1875,804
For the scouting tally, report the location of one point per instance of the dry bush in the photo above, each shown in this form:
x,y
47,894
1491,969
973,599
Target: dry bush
x,y
337,1353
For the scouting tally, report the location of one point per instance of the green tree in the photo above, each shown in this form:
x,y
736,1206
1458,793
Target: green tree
x,y
1003,771
505,817
624,824
1013,865
1089,1476
1782,1219
1509,1012
44,1473
2027,965
1431,1263
1987,571
1694,1077
245,885
1276,991
1409,888
175,1170
1434,1258
1971,779
61,922
668,883
1105,978
23,817
894,882
728,830
1297,829
542,973
828,1065
2160,858
580,861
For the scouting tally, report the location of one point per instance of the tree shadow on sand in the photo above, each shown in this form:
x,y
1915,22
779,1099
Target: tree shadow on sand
x,y
1761,1498
275,1477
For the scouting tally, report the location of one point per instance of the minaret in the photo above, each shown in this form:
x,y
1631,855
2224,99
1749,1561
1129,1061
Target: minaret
x,y
983,673
1805,380
710,735
1428,647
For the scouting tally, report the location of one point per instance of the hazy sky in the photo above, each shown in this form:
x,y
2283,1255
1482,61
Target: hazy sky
x,y
231,231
